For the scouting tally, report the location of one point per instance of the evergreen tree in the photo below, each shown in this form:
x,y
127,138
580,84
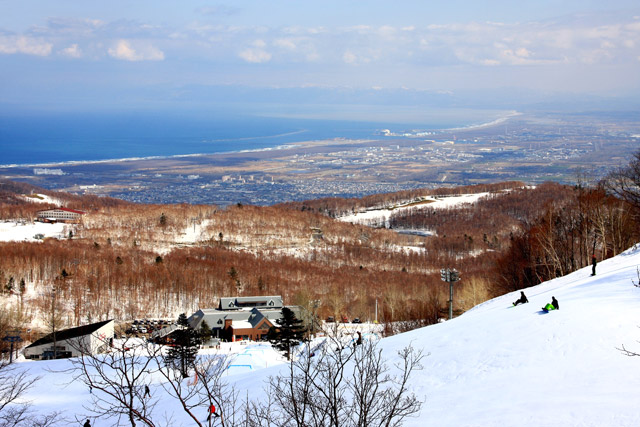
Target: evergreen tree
x,y
205,331
182,354
288,334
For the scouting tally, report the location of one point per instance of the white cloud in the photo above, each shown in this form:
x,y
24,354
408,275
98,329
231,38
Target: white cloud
x,y
142,52
259,44
352,58
287,44
490,62
25,45
312,56
72,51
349,57
255,55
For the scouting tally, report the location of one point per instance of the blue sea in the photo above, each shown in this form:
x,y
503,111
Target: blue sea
x,y
76,137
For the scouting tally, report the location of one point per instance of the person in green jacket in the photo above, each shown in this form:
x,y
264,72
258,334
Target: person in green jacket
x,y
553,305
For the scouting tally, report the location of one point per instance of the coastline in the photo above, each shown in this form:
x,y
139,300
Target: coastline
x,y
145,158
495,122
280,147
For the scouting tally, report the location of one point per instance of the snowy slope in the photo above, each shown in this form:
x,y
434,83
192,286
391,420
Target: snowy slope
x,y
382,215
497,365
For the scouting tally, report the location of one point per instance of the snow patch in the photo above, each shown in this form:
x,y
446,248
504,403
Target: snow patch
x,y
382,215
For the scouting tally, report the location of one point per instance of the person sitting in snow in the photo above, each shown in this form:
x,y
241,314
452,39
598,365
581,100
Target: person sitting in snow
x,y
523,299
553,305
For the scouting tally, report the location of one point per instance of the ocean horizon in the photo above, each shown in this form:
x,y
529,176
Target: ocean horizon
x,y
49,139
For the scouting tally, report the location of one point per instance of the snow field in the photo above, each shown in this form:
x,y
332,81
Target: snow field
x,y
18,232
382,215
496,365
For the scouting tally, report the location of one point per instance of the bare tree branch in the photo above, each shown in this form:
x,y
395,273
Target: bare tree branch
x,y
340,386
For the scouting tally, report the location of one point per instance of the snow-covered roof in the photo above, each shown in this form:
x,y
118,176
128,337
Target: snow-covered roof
x,y
241,324
235,303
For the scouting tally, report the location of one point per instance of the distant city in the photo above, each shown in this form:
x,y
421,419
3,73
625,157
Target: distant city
x,y
529,148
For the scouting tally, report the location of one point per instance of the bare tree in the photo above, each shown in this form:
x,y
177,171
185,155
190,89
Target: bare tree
x,y
116,381
338,385
213,390
628,352
199,392
14,410
625,182
119,379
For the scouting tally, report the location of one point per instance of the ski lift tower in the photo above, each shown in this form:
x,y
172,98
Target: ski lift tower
x,y
15,338
450,275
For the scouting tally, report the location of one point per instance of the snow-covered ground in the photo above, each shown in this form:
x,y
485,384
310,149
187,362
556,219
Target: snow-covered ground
x,y
13,231
496,365
382,215
20,231
41,198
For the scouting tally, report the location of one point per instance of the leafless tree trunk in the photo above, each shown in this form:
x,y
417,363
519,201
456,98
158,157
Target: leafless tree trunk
x,y
214,391
116,382
340,386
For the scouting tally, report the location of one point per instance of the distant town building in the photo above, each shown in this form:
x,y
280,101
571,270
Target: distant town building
x,y
45,171
242,318
59,215
89,339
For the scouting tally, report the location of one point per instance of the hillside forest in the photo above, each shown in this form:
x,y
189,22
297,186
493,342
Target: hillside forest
x,y
127,261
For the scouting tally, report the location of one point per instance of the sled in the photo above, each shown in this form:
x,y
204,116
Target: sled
x,y
547,308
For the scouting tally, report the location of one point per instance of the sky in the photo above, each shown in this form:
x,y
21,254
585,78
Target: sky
x,y
78,54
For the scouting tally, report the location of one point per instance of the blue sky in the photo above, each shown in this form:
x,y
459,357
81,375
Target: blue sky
x,y
128,54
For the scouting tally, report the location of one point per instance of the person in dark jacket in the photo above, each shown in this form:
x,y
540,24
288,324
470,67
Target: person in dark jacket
x,y
86,424
523,299
594,262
